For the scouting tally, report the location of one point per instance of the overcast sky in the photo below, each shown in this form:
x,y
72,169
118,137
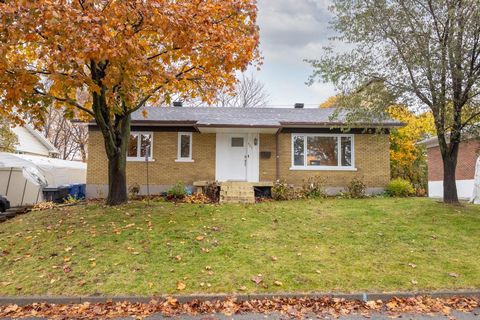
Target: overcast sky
x,y
290,31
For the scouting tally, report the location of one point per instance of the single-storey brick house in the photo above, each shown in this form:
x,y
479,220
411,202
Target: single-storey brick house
x,y
468,153
254,145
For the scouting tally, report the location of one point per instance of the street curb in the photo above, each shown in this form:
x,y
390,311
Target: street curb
x,y
28,300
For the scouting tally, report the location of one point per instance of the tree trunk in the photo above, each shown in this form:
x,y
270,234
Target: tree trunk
x,y
449,181
115,128
117,179
449,156
117,162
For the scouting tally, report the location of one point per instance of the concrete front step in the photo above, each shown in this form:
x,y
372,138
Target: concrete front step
x,y
237,192
233,199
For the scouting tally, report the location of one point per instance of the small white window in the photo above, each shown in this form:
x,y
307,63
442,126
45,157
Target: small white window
x,y
140,146
184,148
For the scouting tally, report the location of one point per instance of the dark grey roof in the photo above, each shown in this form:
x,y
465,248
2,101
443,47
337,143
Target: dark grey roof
x,y
246,117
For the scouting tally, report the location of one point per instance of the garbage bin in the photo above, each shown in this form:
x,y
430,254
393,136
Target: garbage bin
x,y
83,190
77,191
56,194
74,191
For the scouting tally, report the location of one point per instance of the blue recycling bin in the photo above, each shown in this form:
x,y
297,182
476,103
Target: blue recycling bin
x,y
77,191
83,191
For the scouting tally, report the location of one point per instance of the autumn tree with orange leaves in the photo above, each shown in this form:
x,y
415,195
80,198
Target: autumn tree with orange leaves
x,y
103,60
408,159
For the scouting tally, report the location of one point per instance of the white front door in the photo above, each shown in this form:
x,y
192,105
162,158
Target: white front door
x,y
237,157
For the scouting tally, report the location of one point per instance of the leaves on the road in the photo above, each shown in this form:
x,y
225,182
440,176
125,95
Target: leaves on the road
x,y
290,307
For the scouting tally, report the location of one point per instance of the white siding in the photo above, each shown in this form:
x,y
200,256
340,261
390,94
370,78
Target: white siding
x,y
28,143
464,189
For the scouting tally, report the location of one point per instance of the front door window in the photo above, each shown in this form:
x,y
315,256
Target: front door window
x,y
237,142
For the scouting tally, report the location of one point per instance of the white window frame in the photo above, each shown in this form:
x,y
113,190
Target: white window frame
x,y
139,144
179,147
323,168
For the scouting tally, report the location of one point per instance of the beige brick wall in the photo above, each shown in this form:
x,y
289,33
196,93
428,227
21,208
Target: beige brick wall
x,y
268,166
164,170
371,160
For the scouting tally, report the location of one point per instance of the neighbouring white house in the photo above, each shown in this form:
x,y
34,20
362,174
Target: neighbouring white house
x,y
32,142
467,156
33,166
23,177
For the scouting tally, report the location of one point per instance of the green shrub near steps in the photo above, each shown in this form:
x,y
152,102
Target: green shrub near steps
x,y
178,191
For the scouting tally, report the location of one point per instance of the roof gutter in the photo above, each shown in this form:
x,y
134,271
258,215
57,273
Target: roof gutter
x,y
145,123
236,126
279,126
342,124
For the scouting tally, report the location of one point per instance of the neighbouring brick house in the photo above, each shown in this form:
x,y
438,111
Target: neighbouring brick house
x,y
255,145
468,153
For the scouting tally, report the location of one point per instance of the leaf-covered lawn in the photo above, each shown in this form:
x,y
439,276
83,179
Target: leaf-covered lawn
x,y
298,246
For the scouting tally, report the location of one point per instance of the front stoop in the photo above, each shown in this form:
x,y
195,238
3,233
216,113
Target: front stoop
x,y
237,192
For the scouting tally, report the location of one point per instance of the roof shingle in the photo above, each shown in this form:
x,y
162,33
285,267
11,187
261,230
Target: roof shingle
x,y
247,117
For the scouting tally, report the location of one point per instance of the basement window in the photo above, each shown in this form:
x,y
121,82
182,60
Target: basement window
x,y
140,146
322,152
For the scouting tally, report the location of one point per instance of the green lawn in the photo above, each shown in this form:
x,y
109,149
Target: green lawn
x,y
319,245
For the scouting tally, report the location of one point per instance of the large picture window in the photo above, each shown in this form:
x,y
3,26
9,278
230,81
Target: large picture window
x,y
140,146
322,152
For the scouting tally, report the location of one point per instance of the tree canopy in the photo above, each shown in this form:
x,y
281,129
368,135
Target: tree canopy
x,y
8,139
105,59
426,53
248,93
407,157
142,51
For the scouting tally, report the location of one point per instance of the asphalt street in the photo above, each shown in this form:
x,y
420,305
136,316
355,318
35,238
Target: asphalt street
x,y
252,316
